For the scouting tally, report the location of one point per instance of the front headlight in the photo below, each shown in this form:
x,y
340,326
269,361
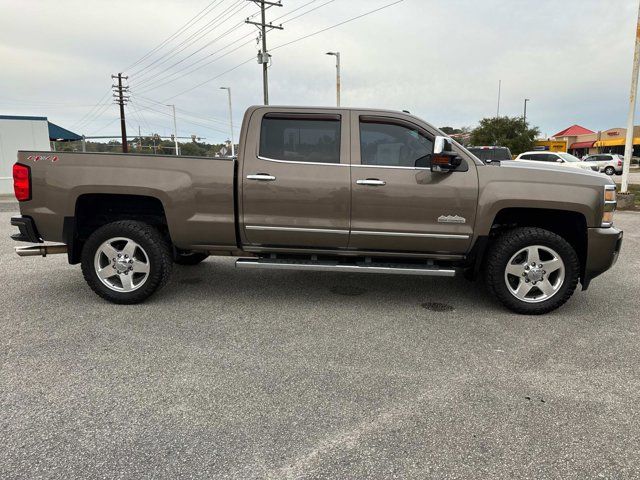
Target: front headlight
x,y
610,204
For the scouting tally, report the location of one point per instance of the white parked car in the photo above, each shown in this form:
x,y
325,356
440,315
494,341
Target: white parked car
x,y
609,163
559,158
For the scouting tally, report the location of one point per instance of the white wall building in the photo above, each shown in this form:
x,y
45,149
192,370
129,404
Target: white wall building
x,y
19,133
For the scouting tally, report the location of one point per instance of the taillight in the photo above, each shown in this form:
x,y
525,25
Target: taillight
x,y
22,182
619,163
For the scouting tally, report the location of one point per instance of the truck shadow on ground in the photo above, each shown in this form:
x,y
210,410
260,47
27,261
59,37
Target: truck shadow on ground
x,y
220,278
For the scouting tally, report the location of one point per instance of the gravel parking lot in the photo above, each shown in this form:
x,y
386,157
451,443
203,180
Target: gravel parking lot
x,y
270,374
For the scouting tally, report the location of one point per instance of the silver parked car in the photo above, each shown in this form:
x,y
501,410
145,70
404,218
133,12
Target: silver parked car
x,y
560,158
609,163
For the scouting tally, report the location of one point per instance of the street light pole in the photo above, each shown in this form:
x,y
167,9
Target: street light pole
x,y
525,111
338,80
175,130
628,146
233,147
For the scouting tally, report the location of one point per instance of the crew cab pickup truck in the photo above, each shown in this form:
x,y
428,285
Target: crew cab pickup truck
x,y
324,189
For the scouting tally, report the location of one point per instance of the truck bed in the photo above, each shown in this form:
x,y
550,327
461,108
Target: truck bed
x,y
197,193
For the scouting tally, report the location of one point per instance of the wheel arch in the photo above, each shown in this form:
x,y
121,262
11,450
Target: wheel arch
x,y
570,225
93,210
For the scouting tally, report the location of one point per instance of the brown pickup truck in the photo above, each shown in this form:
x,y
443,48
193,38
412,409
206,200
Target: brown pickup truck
x,y
341,190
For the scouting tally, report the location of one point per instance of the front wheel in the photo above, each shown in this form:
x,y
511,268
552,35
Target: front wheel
x,y
126,262
531,270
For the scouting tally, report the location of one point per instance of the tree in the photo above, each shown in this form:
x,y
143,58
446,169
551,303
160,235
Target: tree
x,y
510,132
450,130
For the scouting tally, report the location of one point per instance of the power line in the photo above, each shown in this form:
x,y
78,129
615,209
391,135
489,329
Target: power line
x,y
107,125
98,114
156,79
91,111
176,50
187,112
304,37
307,12
184,119
149,87
175,34
293,11
157,83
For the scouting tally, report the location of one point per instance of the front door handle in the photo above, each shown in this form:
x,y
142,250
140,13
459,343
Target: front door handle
x,y
374,182
262,177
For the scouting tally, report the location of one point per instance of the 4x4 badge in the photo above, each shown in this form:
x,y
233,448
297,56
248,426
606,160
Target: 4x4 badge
x,y
451,219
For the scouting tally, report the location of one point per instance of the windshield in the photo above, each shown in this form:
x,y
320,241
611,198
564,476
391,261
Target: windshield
x,y
491,153
569,158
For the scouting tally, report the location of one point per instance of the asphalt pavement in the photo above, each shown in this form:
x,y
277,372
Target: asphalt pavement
x,y
270,374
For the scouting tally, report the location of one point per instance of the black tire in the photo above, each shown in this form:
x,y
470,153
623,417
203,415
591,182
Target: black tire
x,y
509,244
610,171
154,246
190,258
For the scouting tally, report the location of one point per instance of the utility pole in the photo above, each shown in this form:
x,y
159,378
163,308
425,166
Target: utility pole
x,y
628,146
175,130
263,55
122,97
337,55
139,139
233,147
525,111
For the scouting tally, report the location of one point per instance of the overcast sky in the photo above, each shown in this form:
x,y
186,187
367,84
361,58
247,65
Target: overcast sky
x,y
440,59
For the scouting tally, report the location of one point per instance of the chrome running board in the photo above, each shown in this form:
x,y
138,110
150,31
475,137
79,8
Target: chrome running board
x,y
388,268
41,250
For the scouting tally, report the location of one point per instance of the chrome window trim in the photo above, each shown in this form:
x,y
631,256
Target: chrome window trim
x,y
390,166
402,234
297,229
297,162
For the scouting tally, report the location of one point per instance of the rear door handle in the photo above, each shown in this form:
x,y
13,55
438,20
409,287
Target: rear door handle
x,y
262,177
374,182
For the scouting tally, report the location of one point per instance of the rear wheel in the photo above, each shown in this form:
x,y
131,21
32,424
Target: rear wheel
x,y
610,170
532,270
126,262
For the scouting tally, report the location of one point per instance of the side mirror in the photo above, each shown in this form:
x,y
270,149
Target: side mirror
x,y
444,159
559,160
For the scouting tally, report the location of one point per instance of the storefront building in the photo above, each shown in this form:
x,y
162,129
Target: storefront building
x,y
581,141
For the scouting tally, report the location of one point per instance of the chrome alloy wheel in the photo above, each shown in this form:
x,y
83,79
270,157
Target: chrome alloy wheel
x,y
534,274
121,264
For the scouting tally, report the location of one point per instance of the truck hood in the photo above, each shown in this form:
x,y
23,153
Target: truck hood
x,y
559,171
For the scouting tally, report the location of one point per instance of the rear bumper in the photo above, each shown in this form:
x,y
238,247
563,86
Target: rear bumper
x,y
602,252
28,231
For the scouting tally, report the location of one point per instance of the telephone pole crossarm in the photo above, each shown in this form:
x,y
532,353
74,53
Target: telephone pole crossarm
x,y
268,25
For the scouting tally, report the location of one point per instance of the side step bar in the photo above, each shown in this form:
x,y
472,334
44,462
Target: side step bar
x,y
397,269
43,250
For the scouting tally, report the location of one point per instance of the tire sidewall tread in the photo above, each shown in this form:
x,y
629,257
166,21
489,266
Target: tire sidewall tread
x,y
507,244
150,239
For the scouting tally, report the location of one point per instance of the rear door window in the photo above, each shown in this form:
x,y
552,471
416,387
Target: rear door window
x,y
300,138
